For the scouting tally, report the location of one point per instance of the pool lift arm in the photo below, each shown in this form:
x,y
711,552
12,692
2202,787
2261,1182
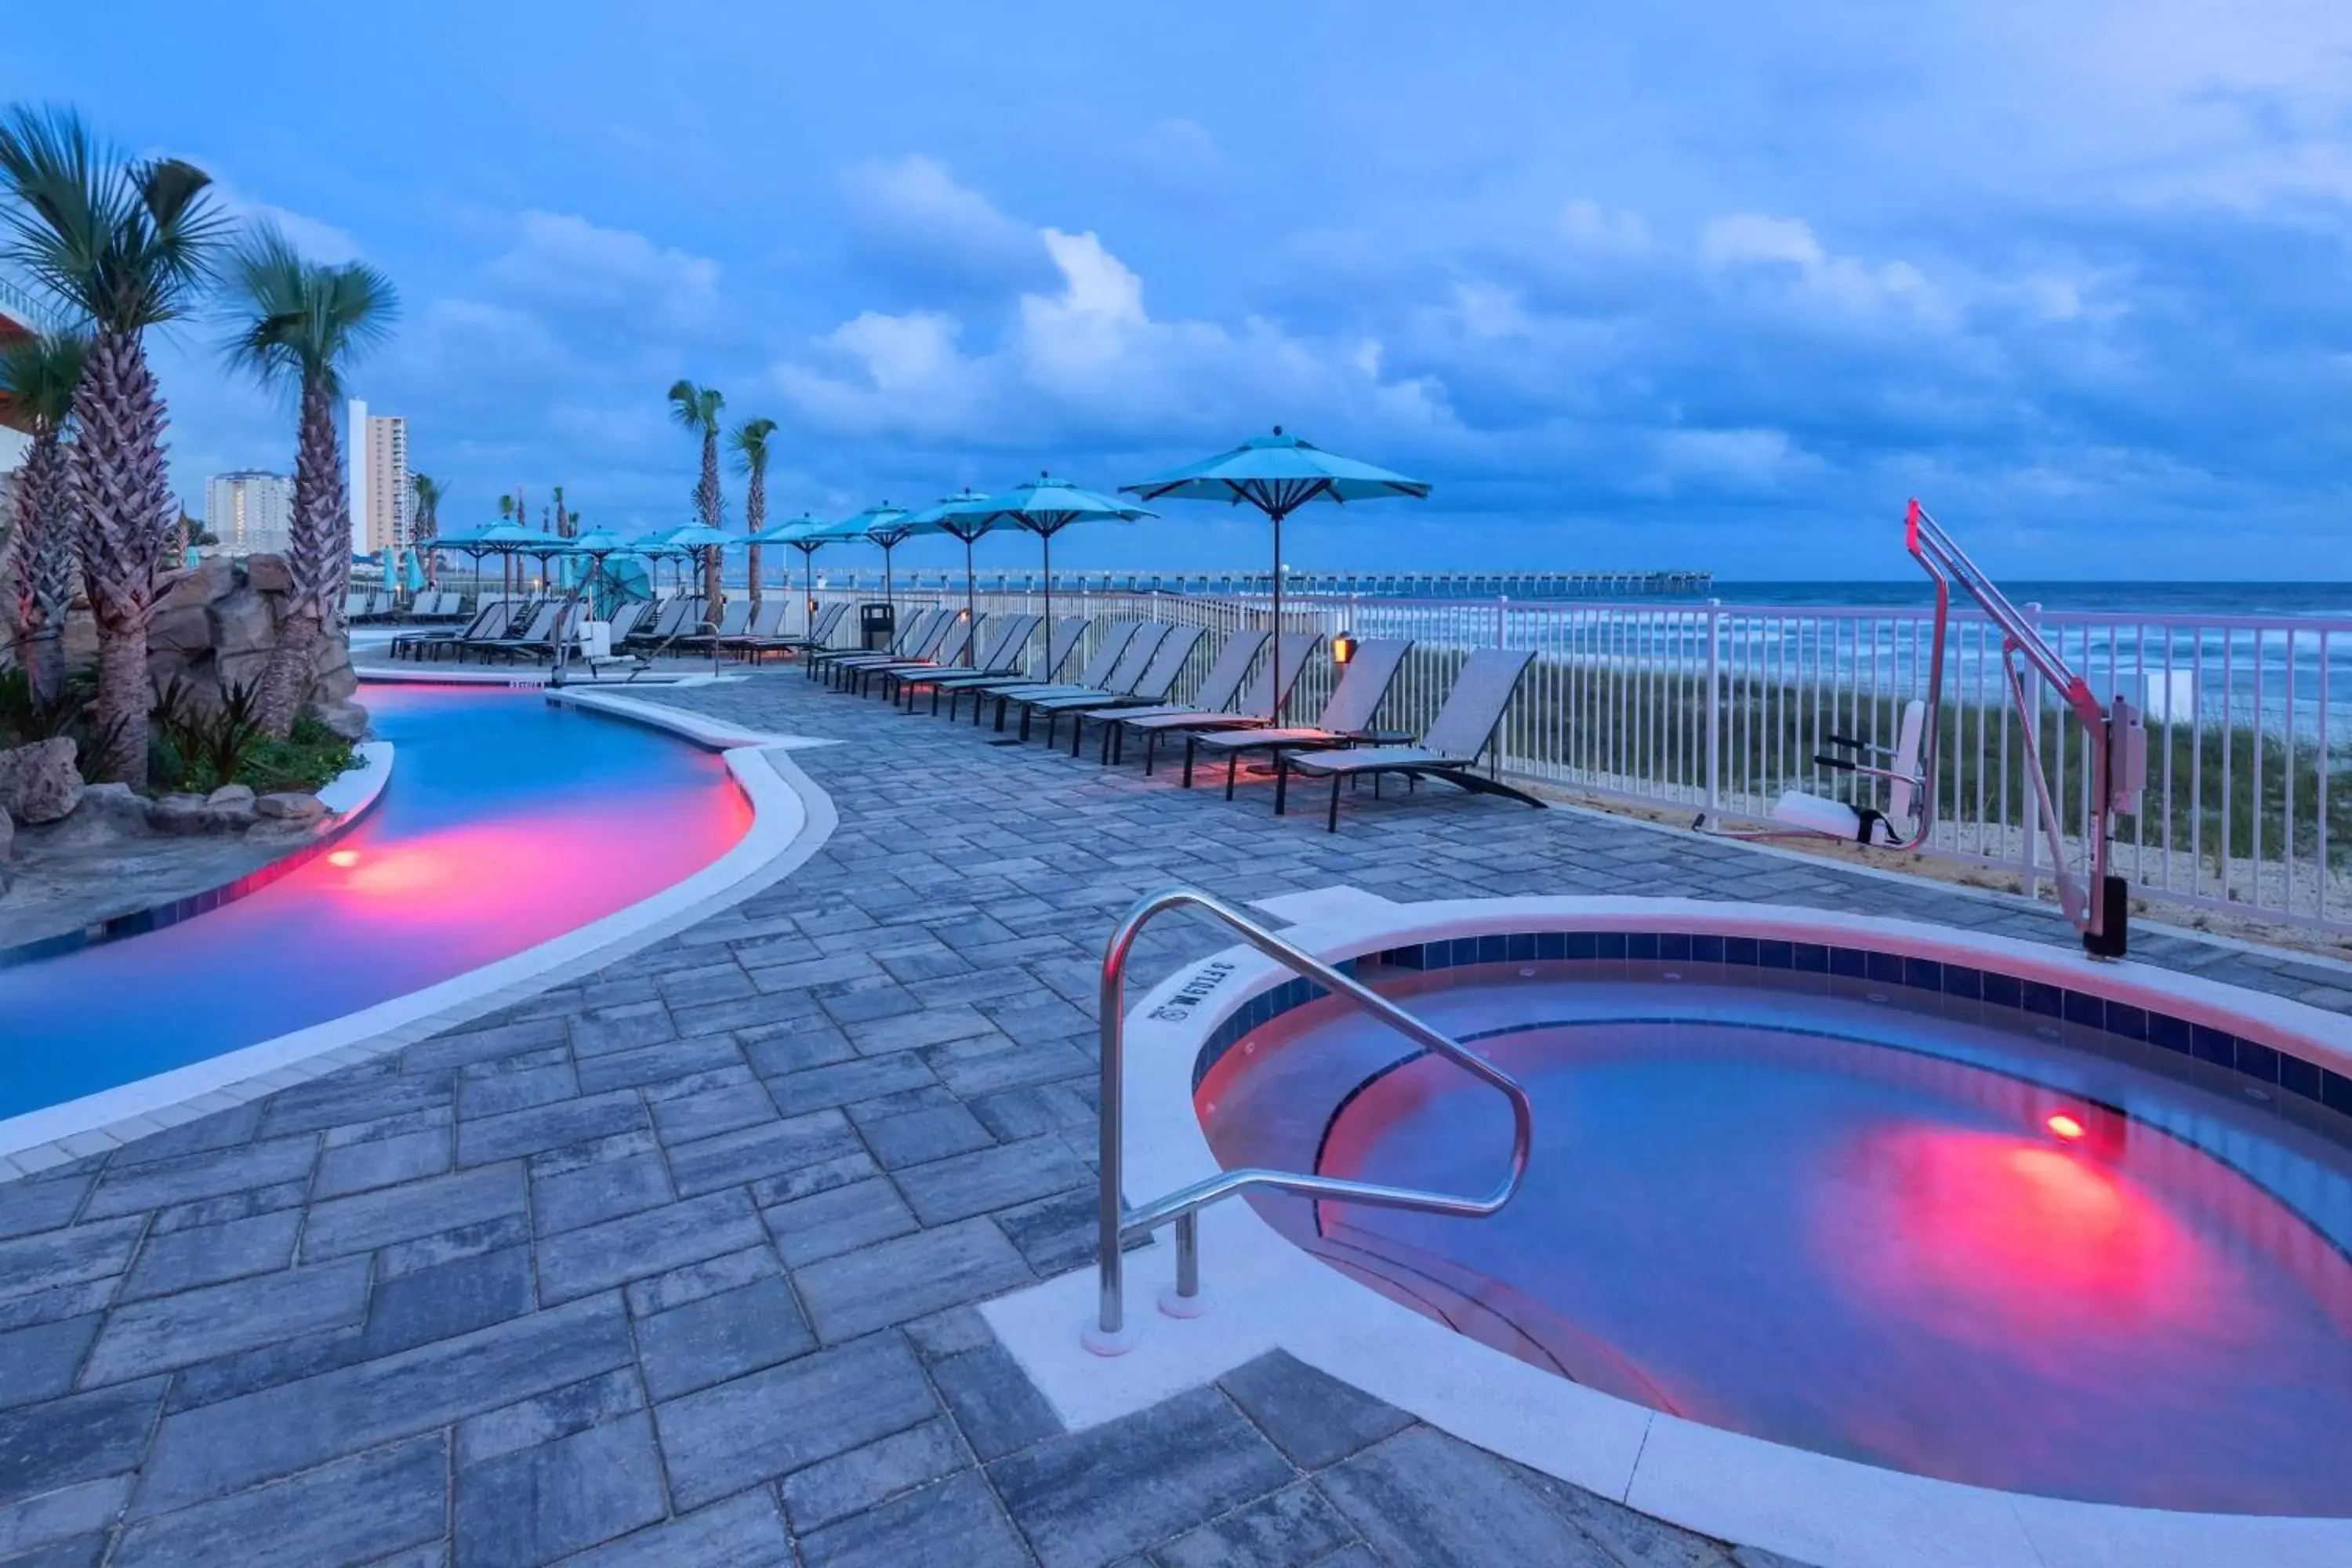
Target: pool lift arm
x,y
2118,739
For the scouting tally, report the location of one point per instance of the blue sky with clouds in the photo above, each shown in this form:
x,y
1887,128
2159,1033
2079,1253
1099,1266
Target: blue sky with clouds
x,y
1691,283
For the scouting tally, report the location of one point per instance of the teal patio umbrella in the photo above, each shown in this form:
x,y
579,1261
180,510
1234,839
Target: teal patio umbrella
x,y
885,525
500,539
1045,505
695,539
808,534
652,546
964,516
1277,474
593,547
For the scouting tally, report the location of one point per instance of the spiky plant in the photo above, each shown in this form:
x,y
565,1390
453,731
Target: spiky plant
x,y
38,375
753,441
299,326
125,245
698,408
427,527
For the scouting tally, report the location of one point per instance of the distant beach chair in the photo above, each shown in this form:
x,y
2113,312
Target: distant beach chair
x,y
1449,749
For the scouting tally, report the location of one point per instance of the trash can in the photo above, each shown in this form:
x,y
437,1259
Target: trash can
x,y
876,625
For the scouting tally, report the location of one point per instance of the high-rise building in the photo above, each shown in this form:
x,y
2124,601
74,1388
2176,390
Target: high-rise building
x,y
381,505
250,512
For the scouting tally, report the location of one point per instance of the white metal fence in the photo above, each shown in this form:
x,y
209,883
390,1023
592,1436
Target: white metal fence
x,y
2249,804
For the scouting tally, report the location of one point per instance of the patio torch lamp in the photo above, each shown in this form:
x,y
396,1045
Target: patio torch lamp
x,y
1277,474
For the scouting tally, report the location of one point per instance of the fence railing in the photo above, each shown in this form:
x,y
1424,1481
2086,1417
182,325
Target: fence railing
x,y
1721,708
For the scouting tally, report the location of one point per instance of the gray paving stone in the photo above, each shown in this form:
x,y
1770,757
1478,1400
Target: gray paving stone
x,y
657,1064
1630,1537
463,1046
1033,1110
599,1256
863,1113
448,1245
544,1417
230,1207
215,1450
50,1258
743,1531
447,1300
81,1437
787,1417
992,1178
972,1067
809,1180
207,1255
351,1098
797,1048
177,1331
821,1088
517,1083
381,1161
82,1552
38,1361
950,1331
30,1205
850,1483
891,1281
201,1175
622,1029
369,1220
542,1127
728,1271
732,1159
1055,1234
811,972
719,982
565,1200
720,1337
838,1220
999,1410
1088,1497
1289,1528
919,1136
722,1107
1423,1497
955,1521
60,1518
533,1505
1313,1418
356,1511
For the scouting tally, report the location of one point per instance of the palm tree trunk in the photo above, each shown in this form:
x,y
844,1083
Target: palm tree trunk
x,y
707,502
317,564
45,544
755,517
124,497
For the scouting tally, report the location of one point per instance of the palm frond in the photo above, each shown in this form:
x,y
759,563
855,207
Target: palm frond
x,y
126,244
38,374
751,443
696,407
301,321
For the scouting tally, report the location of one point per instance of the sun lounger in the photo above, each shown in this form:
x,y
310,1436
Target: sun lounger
x,y
819,634
1138,641
1001,653
1219,687
1068,633
539,634
490,617
951,649
1255,710
734,620
507,618
917,635
1449,749
1347,716
1149,688
844,672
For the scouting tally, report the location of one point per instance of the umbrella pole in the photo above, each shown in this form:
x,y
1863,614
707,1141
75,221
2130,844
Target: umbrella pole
x,y
1281,698
971,601
1045,541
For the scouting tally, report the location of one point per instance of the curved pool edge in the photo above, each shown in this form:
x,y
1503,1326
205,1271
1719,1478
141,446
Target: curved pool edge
x,y
791,818
1270,1294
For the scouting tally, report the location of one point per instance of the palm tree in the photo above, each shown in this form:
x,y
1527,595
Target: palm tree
x,y
38,376
126,245
751,441
427,527
698,408
564,528
299,326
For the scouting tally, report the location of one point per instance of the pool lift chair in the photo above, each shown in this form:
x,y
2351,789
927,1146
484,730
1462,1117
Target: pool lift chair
x,y
2098,902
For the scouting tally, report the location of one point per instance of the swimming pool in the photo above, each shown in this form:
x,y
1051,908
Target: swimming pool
x,y
1928,1216
509,821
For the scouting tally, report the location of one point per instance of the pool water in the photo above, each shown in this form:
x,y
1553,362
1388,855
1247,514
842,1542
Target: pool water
x,y
1916,1240
508,821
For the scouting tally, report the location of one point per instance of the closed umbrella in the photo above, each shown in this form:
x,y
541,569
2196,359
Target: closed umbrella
x,y
1277,474
1045,505
965,516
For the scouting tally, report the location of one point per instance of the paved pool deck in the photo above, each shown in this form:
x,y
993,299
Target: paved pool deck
x,y
678,1265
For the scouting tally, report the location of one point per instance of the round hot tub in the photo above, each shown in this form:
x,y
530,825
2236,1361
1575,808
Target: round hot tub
x,y
1935,1204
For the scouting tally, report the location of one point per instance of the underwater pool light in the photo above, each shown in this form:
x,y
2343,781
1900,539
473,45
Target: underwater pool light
x,y
2063,1126
346,858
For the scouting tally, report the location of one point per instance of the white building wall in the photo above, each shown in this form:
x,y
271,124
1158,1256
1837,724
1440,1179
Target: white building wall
x,y
250,512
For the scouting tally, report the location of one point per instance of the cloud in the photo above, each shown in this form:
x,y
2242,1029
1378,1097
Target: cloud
x,y
566,262
316,239
909,216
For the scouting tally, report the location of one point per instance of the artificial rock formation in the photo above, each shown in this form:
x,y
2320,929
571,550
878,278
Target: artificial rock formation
x,y
40,783
215,624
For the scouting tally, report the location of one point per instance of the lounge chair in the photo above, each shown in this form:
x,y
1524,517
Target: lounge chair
x,y
421,643
1001,653
1347,716
507,618
549,623
950,649
767,621
1149,688
819,634
1119,660
941,626
1219,686
670,618
1068,633
911,638
1450,748
1255,710
734,620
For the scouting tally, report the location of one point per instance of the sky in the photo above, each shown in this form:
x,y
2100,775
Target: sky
x,y
1692,284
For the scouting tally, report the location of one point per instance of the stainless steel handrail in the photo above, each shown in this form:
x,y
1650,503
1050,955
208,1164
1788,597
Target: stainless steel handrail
x,y
1184,1205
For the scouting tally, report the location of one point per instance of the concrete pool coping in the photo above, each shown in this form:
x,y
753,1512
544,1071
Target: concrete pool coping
x,y
1271,1295
791,819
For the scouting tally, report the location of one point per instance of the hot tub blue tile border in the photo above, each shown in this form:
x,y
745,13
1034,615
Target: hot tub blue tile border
x,y
2259,1064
